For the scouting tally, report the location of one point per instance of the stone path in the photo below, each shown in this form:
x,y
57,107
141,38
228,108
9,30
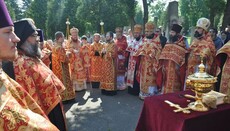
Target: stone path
x,y
92,111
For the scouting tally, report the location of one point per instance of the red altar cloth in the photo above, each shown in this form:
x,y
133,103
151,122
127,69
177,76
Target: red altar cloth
x,y
157,115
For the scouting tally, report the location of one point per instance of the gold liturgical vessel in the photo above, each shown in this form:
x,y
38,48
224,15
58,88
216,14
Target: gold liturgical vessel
x,y
200,82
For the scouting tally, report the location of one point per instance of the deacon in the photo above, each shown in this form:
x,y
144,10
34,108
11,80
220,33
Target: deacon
x,y
109,55
133,61
85,56
172,62
96,60
122,44
60,66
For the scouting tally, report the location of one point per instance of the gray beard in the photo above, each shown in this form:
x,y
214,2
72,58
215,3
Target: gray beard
x,y
31,50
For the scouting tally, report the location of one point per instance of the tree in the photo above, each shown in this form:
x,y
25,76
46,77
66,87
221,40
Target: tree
x,y
111,12
55,9
139,16
158,11
14,9
26,4
38,12
89,12
146,12
226,18
146,3
10,9
215,9
191,11
70,11
130,9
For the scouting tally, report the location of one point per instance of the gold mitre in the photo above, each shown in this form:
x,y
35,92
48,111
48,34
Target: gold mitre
x,y
137,28
149,26
96,34
74,30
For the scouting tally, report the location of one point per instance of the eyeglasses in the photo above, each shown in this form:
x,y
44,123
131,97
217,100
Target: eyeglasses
x,y
35,36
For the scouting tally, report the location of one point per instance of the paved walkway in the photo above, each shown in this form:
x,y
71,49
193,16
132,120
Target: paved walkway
x,y
92,111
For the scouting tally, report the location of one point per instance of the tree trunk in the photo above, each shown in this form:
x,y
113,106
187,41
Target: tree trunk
x,y
145,18
226,19
132,22
212,15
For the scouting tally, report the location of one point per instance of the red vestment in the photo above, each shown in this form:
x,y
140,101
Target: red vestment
x,y
39,81
96,61
77,70
109,68
60,67
18,110
149,51
225,64
203,46
86,60
121,45
172,64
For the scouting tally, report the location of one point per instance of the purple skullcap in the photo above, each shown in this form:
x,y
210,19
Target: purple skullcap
x,y
5,19
41,34
23,29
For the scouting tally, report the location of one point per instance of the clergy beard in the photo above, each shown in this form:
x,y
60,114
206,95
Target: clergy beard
x,y
173,38
138,38
31,50
197,35
74,40
150,36
108,41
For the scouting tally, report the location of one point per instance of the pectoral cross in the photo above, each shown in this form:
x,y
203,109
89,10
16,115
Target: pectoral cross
x,y
178,108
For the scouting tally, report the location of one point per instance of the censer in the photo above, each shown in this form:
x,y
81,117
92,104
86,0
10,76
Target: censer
x,y
200,82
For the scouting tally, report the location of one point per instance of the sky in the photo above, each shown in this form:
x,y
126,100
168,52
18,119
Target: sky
x,y
19,2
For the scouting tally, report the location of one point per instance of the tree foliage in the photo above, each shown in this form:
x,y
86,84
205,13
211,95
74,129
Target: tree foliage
x,y
158,11
139,15
55,9
86,15
192,10
112,13
226,18
26,4
130,9
215,8
10,9
70,11
14,10
38,12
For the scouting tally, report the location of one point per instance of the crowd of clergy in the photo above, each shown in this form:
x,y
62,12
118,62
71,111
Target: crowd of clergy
x,y
37,75
143,63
